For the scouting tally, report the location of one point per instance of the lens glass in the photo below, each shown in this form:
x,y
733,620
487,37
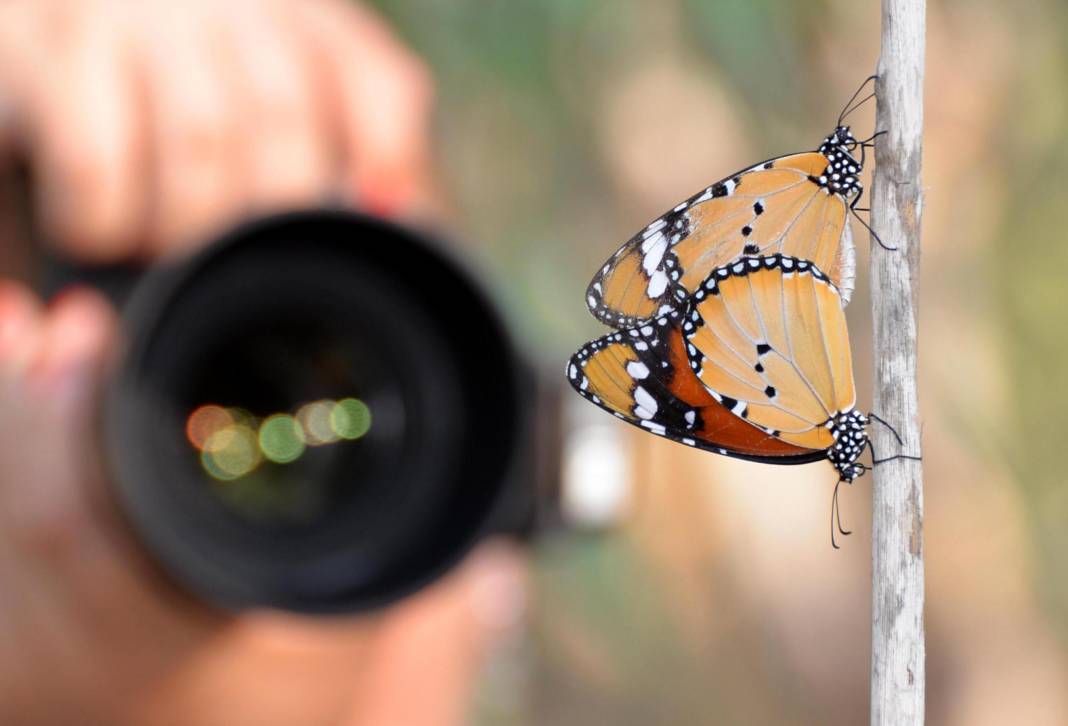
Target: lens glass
x,y
278,410
320,413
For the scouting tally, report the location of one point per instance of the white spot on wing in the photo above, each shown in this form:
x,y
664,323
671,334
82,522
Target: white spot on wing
x,y
654,228
654,427
652,239
646,404
654,255
637,370
658,282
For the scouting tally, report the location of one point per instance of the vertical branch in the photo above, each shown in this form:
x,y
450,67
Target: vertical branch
x,y
897,662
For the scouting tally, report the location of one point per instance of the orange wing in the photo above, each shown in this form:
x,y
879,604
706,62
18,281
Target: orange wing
x,y
643,376
767,337
778,206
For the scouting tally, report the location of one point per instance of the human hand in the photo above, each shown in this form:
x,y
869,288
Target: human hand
x,y
152,124
91,633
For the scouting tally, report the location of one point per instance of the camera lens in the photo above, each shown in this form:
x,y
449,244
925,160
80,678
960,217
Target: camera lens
x,y
320,412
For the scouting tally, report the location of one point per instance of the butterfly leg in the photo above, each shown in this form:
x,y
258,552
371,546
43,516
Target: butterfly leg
x,y
892,458
869,141
876,460
892,430
874,457
853,209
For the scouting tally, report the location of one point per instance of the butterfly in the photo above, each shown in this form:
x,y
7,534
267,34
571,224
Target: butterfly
x,y
756,365
796,205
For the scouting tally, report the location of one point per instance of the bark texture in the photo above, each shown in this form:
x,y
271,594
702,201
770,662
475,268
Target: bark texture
x,y
898,651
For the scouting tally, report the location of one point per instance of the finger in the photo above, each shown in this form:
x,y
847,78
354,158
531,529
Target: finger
x,y
78,329
194,134
284,146
20,324
55,399
81,125
383,96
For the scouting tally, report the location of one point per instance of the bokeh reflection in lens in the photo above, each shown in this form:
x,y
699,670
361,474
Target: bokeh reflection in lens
x,y
315,420
281,438
233,442
231,452
204,422
350,418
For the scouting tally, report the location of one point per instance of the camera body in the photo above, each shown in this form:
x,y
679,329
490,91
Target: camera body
x,y
321,412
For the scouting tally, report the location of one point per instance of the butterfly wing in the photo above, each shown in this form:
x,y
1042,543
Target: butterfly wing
x,y
767,337
773,207
643,376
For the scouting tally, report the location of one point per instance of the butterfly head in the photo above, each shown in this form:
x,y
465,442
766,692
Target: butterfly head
x,y
840,140
850,439
844,137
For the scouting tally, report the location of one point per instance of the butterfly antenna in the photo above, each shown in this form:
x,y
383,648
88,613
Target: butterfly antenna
x,y
855,106
845,109
836,516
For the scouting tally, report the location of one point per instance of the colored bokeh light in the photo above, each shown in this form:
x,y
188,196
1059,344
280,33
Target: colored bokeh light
x,y
231,452
233,442
206,421
314,419
351,418
281,439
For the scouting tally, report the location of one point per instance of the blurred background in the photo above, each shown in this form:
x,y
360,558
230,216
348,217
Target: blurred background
x,y
697,589
562,127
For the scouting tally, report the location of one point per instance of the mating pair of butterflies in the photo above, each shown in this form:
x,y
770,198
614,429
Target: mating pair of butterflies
x,y
730,331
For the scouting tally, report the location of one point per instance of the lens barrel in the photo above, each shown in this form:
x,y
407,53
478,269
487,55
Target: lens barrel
x,y
319,412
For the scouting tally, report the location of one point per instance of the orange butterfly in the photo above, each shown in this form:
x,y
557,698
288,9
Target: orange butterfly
x,y
756,366
796,205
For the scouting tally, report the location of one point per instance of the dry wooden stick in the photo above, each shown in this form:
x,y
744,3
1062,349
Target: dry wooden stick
x,y
898,653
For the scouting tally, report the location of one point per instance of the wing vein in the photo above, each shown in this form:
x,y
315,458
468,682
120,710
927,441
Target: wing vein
x,y
801,373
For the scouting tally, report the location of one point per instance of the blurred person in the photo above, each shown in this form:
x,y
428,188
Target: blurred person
x,y
149,126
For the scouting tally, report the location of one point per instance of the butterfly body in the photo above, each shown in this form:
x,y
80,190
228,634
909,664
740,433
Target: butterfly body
x,y
841,175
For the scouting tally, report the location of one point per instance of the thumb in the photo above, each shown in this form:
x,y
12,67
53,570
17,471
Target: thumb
x,y
75,342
